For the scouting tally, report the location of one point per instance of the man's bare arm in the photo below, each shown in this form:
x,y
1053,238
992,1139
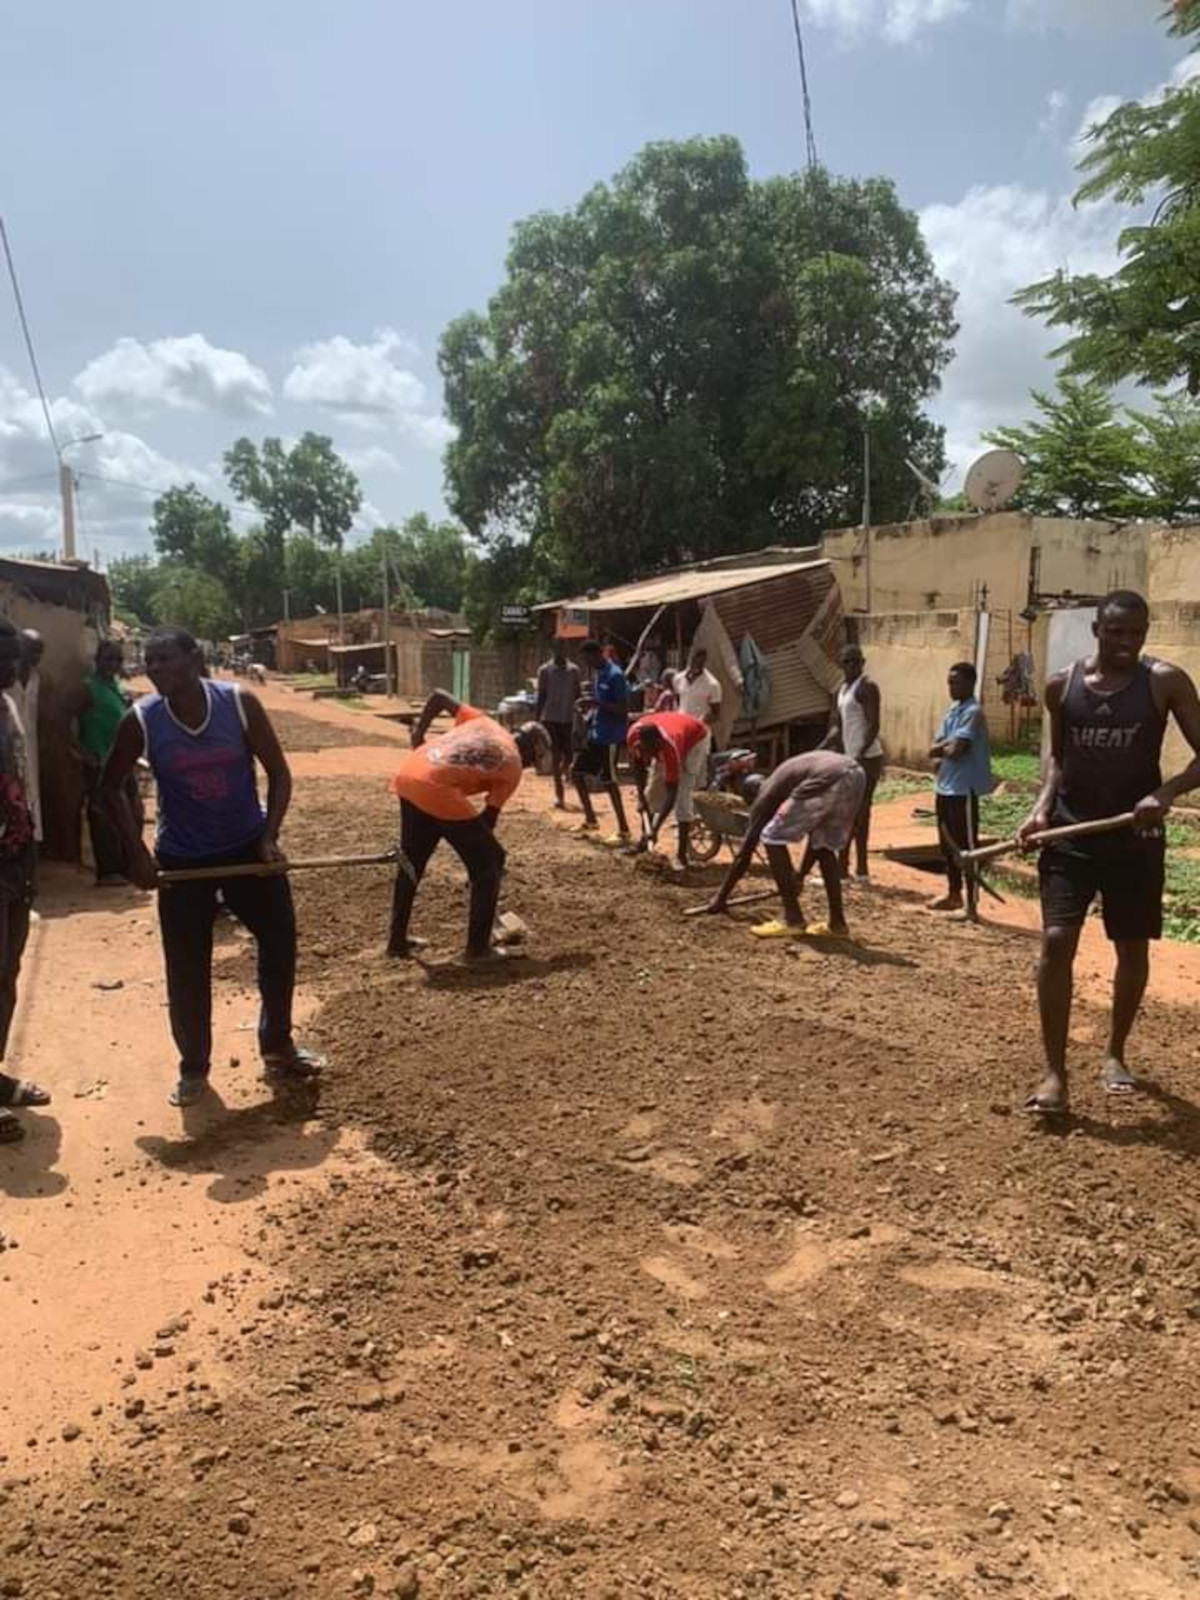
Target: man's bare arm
x,y
123,758
1038,819
1180,700
265,747
439,704
871,701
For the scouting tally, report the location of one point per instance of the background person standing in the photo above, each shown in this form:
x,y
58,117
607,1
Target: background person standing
x,y
854,730
606,705
963,753
101,710
26,694
17,857
558,690
698,691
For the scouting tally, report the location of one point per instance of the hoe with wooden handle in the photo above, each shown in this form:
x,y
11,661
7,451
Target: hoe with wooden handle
x,y
276,869
970,860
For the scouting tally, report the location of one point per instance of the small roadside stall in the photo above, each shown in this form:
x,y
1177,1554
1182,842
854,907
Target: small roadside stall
x,y
772,625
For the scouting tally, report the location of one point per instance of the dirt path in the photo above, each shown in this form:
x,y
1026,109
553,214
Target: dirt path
x,y
662,1265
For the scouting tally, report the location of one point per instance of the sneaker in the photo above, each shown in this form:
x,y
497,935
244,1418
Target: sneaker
x,y
618,841
586,829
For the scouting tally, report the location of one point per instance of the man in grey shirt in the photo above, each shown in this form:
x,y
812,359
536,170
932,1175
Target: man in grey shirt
x,y
558,691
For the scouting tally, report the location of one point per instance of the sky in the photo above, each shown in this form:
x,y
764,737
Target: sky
x,y
257,217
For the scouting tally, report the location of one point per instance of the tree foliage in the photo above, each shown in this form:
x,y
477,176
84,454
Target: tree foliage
x,y
680,367
1084,459
195,531
1143,322
308,487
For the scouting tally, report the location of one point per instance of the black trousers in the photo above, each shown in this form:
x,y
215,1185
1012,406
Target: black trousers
x,y
186,915
477,848
108,850
958,818
16,900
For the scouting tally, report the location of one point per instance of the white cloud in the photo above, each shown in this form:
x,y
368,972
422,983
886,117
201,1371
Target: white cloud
x,y
1091,14
370,458
119,474
901,21
179,374
366,385
1053,111
898,20
991,243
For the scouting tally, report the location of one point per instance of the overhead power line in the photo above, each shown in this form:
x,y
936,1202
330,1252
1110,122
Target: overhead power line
x,y
810,137
33,360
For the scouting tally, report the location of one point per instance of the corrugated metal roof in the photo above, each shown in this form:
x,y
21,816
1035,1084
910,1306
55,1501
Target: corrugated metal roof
x,y
671,587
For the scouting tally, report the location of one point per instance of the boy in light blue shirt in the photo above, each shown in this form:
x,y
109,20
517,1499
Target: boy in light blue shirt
x,y
964,757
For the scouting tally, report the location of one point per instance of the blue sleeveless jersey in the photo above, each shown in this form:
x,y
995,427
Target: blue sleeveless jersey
x,y
207,794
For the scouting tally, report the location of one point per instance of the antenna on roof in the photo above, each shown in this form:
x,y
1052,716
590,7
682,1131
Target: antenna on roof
x,y
929,493
994,480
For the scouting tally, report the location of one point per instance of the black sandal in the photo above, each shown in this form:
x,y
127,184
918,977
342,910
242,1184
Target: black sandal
x,y
11,1130
19,1093
300,1066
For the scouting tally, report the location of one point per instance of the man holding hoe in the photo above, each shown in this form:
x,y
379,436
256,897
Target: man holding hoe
x,y
815,798
1108,716
676,747
440,785
202,739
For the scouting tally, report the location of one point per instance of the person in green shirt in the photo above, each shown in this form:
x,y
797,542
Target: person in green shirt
x,y
101,708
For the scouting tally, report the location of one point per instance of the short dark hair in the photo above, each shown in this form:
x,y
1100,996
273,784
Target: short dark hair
x,y
1123,600
592,647
652,734
967,670
169,633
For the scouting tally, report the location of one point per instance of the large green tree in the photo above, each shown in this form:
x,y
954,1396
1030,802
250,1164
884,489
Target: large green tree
x,y
308,487
428,563
1168,445
190,528
1142,322
1081,459
682,366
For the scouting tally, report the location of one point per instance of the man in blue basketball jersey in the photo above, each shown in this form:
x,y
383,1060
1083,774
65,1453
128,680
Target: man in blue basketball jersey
x,y
202,738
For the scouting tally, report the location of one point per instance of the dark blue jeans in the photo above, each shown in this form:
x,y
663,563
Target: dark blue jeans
x,y
186,915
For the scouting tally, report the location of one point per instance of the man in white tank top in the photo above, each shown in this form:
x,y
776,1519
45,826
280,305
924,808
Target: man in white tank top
x,y
854,729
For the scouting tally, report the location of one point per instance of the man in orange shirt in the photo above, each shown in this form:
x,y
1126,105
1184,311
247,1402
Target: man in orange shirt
x,y
437,785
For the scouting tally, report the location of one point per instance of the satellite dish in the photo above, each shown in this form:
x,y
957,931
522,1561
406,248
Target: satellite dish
x,y
994,479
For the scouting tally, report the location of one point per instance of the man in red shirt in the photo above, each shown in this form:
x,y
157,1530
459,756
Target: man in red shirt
x,y
676,746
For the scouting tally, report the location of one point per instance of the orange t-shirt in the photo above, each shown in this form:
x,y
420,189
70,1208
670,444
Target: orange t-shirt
x,y
477,757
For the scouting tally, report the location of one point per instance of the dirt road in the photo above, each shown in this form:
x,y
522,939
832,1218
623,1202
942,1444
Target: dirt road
x,y
664,1264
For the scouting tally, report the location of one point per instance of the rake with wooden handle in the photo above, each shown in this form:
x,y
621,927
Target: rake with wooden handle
x,y
275,869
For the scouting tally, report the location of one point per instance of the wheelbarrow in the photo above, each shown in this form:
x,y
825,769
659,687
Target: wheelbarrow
x,y
720,819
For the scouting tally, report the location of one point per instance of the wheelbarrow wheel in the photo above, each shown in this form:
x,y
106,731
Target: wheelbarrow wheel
x,y
704,843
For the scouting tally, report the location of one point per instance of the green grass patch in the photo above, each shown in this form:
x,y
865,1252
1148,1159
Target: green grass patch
x,y
314,680
898,788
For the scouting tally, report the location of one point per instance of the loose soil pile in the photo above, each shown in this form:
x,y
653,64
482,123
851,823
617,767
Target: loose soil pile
x,y
681,1267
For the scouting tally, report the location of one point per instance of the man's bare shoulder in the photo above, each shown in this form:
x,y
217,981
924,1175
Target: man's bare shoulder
x,y
1056,687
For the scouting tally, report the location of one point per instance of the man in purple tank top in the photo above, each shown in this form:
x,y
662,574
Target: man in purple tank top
x,y
1108,715
202,739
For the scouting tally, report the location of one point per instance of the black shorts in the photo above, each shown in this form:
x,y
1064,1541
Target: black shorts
x,y
597,761
1126,873
560,737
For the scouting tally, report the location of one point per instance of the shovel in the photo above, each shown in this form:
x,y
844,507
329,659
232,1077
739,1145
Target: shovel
x,y
275,869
